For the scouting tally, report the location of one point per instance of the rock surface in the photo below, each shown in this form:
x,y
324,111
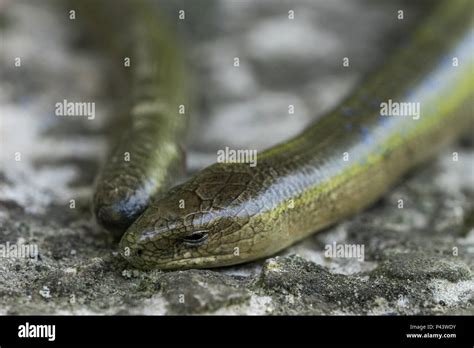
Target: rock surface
x,y
417,260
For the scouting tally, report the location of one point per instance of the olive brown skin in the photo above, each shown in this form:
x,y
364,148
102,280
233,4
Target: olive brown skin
x,y
148,157
231,213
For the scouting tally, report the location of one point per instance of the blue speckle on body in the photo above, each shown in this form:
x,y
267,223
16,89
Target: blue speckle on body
x,y
375,103
384,121
347,111
366,136
362,161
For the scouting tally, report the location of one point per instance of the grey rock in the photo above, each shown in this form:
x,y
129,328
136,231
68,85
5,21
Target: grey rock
x,y
194,291
416,267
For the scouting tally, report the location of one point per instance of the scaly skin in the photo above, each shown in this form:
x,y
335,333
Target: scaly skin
x,y
125,188
235,213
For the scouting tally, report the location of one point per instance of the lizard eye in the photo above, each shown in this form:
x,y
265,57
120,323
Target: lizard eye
x,y
196,238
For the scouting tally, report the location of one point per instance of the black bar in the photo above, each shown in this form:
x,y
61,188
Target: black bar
x,y
219,330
